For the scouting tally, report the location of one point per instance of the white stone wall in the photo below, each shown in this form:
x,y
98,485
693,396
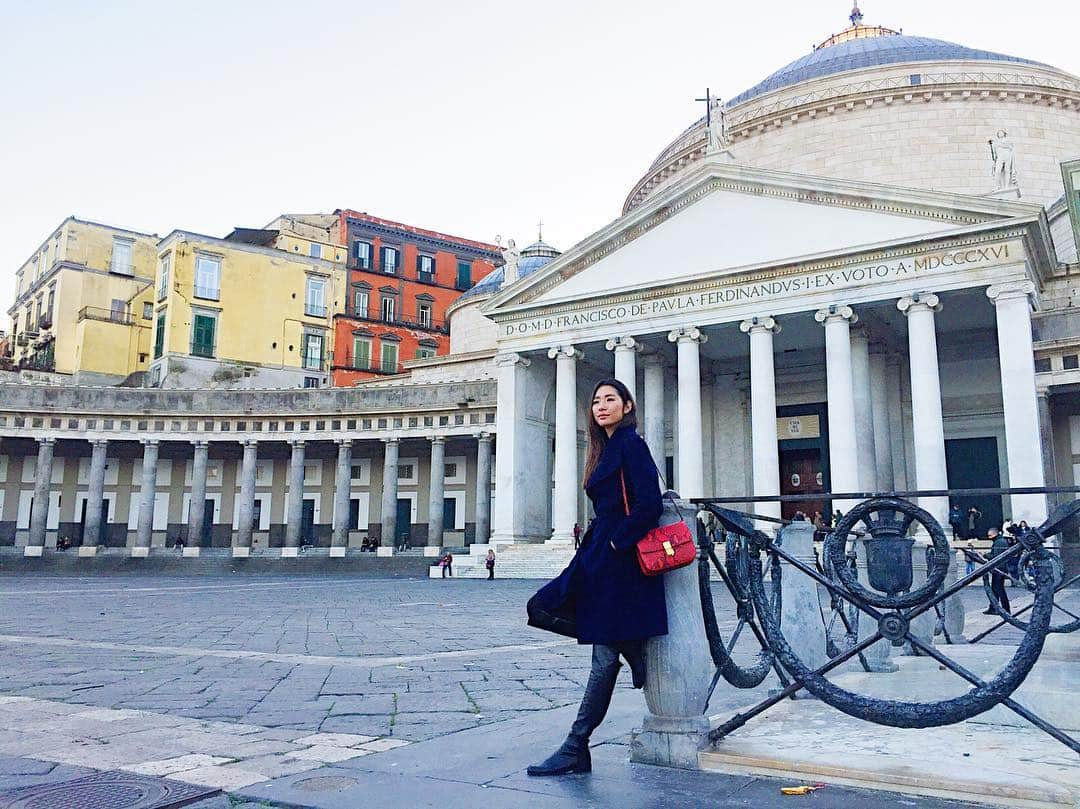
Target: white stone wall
x,y
471,331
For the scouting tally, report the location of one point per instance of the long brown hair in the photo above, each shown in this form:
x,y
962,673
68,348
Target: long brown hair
x,y
598,436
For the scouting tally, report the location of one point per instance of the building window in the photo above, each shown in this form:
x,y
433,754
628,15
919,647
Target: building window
x,y
159,336
389,308
390,260
311,381
425,268
49,308
313,351
315,300
389,357
118,310
424,352
164,271
203,332
315,250
121,256
361,349
423,313
450,470
207,277
147,310
39,317
1042,365
406,471
464,275
360,302
1070,362
362,251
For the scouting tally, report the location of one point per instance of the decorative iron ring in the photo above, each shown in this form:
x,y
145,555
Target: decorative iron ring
x,y
836,547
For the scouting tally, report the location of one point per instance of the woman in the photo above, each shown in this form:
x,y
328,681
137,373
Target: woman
x,y
489,563
602,598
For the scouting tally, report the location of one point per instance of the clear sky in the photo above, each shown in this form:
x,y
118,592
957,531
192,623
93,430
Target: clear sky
x,y
471,117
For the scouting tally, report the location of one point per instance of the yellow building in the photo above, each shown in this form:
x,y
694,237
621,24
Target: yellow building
x,y
250,310
78,311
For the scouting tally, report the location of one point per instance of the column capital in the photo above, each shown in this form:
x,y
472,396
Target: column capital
x,y
1011,290
99,442
834,312
146,442
296,442
199,442
438,439
343,442
484,437
50,440
393,440
250,442
687,334
564,352
759,324
919,302
623,344
512,358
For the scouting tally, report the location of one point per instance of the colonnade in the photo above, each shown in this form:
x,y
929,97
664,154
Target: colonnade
x,y
144,501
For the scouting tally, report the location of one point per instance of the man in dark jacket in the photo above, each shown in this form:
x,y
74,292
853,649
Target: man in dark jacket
x,y
999,544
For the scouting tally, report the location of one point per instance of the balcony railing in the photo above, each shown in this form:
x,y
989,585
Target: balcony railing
x,y
121,268
430,324
208,293
350,362
314,310
124,318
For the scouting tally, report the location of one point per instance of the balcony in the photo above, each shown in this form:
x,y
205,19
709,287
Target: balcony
x,y
349,362
425,324
124,318
121,268
208,293
314,310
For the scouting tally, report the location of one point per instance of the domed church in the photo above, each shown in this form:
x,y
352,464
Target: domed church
x,y
857,275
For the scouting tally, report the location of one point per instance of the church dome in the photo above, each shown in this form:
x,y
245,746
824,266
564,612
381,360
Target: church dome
x,y
533,257
874,104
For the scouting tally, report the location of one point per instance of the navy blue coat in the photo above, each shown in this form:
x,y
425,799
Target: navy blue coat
x,y
602,594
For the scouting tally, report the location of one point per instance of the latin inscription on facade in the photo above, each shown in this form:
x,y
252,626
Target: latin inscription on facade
x,y
722,293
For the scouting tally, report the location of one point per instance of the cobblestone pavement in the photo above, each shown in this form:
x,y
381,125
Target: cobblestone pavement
x,y
229,683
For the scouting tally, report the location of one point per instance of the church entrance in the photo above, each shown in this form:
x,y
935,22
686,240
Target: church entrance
x,y
804,457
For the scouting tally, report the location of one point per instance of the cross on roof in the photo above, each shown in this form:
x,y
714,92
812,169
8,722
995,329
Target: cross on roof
x,y
540,229
708,99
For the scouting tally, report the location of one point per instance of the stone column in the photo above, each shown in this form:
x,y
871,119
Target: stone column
x,y
339,541
927,425
1046,437
879,402
94,494
483,489
1023,444
864,412
39,510
625,349
765,449
295,518
843,451
147,492
564,504
389,494
197,504
242,543
436,481
690,473
654,407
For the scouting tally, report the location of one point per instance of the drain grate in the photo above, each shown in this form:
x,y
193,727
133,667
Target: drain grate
x,y
106,790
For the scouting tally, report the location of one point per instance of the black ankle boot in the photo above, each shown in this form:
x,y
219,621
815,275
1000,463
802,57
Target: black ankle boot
x,y
636,659
563,761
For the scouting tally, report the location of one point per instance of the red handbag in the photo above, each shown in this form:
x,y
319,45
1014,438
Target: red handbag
x,y
669,546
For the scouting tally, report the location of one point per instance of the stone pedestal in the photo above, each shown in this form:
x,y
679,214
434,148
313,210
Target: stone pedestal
x,y
290,553
140,552
923,626
800,608
88,550
382,551
954,606
877,656
679,673
337,553
431,550
191,553
241,552
33,550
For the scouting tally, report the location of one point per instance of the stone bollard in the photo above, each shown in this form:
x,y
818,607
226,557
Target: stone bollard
x,y
679,673
877,656
954,606
923,626
800,606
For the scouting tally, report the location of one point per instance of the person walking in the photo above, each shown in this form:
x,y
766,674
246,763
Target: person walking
x,y
969,556
956,520
602,597
973,517
999,544
577,536
448,565
489,563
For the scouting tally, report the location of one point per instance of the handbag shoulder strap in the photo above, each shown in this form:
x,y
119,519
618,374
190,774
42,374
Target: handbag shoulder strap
x,y
625,502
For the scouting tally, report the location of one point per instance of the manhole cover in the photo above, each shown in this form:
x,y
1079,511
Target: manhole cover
x,y
106,790
325,783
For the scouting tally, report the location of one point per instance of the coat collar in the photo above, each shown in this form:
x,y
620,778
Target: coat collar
x,y
611,457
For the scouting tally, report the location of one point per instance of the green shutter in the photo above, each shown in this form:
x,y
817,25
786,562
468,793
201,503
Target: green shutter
x,y
202,336
159,336
464,275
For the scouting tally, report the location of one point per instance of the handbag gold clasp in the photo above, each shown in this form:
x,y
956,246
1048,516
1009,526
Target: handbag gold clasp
x,y
670,551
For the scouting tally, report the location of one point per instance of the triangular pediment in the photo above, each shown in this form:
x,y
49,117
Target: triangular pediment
x,y
727,219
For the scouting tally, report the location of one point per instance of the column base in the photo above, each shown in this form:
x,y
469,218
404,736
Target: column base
x,y
384,552
241,553
432,550
337,553
140,552
190,553
34,550
561,538
290,553
670,741
88,550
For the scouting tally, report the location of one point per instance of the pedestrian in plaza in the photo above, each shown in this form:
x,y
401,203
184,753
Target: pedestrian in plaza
x,y
973,517
447,565
489,563
970,557
998,545
180,543
956,520
602,597
577,536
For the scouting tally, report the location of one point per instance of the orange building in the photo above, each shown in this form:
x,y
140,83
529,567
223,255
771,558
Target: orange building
x,y
401,279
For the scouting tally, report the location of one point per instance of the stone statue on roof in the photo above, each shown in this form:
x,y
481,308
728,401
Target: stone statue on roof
x,y
1001,152
717,130
511,256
